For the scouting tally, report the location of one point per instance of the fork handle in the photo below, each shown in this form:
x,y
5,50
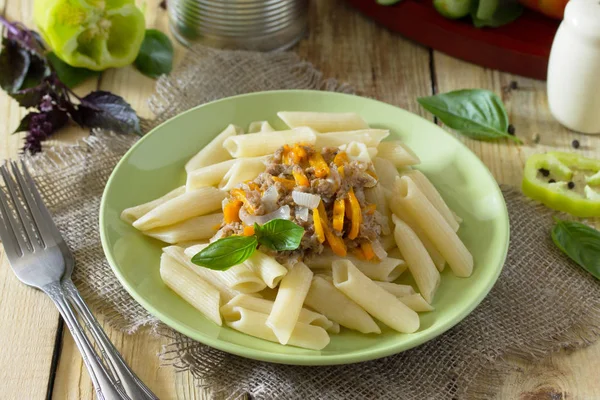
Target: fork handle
x,y
106,388
134,387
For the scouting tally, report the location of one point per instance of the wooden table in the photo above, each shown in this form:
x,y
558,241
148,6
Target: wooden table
x,y
38,358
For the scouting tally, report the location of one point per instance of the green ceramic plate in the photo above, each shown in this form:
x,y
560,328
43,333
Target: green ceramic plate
x,y
155,165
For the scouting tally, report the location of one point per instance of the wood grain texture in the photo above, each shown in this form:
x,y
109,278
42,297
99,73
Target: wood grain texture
x,y
379,64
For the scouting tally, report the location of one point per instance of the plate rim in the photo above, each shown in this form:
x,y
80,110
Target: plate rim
x,y
299,359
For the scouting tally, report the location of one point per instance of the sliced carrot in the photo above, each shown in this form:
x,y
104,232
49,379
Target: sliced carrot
x,y
358,253
367,249
248,230
285,158
335,242
370,209
318,225
341,158
300,178
241,196
287,183
341,171
253,186
231,211
318,163
338,214
355,215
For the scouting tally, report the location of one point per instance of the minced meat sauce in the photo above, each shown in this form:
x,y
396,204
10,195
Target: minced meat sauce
x,y
330,174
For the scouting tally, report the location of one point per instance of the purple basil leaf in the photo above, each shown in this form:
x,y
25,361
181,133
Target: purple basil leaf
x,y
38,70
24,124
101,109
14,64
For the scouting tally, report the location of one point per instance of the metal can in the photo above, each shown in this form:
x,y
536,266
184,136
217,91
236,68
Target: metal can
x,y
261,25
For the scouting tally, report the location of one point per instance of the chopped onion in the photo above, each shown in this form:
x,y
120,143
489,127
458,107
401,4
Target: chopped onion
x,y
270,197
306,199
302,213
280,213
378,250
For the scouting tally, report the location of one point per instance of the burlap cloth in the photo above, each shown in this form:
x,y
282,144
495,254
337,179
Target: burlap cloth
x,y
542,302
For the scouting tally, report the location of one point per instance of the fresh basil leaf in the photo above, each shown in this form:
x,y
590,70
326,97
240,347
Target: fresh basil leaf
x,y
227,252
156,54
70,76
279,234
503,16
580,242
105,110
14,64
476,113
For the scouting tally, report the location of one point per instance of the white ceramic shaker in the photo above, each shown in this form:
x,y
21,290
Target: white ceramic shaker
x,y
574,68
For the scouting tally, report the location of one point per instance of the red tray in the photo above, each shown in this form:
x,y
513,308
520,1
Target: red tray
x,y
521,47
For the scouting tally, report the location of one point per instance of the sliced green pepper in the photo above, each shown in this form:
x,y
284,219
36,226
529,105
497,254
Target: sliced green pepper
x,y
565,182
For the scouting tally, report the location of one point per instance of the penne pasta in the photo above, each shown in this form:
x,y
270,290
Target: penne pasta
x,y
260,126
386,172
436,257
242,170
369,137
419,262
322,121
396,289
185,206
416,302
326,299
266,306
213,152
266,267
359,151
376,301
397,153
261,144
197,228
388,269
130,215
376,195
288,303
210,175
192,288
433,196
254,323
239,277
435,226
208,275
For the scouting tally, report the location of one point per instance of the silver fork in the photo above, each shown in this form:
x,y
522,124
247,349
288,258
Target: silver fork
x,y
40,258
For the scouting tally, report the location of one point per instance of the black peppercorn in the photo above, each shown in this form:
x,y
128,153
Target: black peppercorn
x,y
511,129
571,185
575,144
514,85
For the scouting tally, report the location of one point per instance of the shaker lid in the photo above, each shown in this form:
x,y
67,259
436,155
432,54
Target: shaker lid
x,y
584,17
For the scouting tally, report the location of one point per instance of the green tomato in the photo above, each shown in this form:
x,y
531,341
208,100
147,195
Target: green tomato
x,y
93,34
453,8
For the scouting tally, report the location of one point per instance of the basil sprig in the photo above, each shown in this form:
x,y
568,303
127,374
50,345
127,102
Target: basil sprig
x,y
156,54
277,234
476,113
580,242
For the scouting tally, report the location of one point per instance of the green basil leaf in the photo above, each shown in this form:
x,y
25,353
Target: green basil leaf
x,y
227,252
580,242
279,234
476,113
503,16
156,54
70,76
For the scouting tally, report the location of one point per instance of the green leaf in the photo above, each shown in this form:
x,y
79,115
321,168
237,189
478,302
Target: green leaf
x,y
70,76
476,113
14,64
227,252
156,54
580,242
503,16
279,234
